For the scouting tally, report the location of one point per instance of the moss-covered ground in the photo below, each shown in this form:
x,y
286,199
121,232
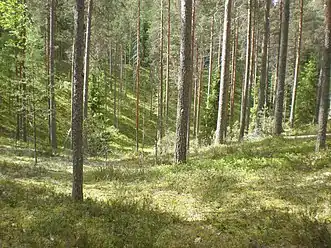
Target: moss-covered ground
x,y
270,193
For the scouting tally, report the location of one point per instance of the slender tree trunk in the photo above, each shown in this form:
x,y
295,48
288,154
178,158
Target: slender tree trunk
x,y
234,72
52,109
18,105
138,76
24,115
115,88
279,103
210,69
274,88
250,101
185,80
325,101
244,97
224,79
200,90
318,93
264,71
120,96
196,82
297,67
193,43
34,125
167,94
160,98
87,56
77,102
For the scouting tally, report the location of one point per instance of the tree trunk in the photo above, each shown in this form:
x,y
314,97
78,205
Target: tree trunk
x,y
297,67
87,55
120,95
199,101
167,94
210,69
52,109
325,101
224,79
160,98
77,102
274,87
196,82
264,71
138,76
185,79
279,103
115,88
193,43
34,124
234,72
244,97
318,93
250,99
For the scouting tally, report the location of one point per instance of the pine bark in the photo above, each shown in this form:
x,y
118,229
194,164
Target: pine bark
x,y
211,58
87,56
325,87
279,102
160,98
138,76
77,102
234,72
185,79
264,71
297,67
52,110
167,94
224,79
244,97
193,44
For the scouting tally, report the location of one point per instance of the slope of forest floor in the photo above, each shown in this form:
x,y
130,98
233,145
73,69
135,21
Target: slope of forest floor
x,y
269,193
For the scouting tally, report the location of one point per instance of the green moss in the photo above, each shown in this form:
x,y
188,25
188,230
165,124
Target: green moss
x,y
273,192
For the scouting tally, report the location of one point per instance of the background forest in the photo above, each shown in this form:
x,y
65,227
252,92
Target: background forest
x,y
237,89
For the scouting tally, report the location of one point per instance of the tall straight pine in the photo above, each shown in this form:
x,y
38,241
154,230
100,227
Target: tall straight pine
x,y
77,104
325,83
185,80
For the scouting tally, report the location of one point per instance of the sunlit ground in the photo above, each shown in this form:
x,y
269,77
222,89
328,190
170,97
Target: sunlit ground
x,y
271,193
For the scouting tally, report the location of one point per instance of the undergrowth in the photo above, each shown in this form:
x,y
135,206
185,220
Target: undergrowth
x,y
269,193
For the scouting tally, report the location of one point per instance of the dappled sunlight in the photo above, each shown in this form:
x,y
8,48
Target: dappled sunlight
x,y
230,196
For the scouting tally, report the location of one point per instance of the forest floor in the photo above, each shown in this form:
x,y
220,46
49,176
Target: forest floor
x,y
269,193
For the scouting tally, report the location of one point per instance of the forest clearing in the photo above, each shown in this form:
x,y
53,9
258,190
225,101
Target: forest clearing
x,y
169,123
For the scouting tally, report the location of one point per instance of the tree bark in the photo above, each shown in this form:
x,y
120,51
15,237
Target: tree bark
x,y
264,71
211,57
318,93
167,94
87,55
52,109
185,79
244,97
138,76
199,101
224,79
279,102
77,102
160,98
297,67
234,72
196,82
193,43
325,101
274,87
